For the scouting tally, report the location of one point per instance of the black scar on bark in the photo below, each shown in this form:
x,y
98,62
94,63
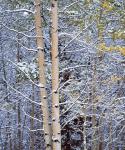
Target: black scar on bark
x,y
53,5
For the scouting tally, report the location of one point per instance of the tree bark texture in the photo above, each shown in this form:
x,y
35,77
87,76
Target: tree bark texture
x,y
41,63
56,138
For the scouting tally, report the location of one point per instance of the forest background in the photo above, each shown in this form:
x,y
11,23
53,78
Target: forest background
x,y
62,74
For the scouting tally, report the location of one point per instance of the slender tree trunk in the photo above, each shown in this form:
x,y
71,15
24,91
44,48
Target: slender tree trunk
x,y
56,138
32,135
32,140
41,63
18,107
84,132
95,145
110,134
100,58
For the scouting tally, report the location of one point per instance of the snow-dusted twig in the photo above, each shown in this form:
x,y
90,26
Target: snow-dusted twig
x,y
31,116
34,130
66,7
74,38
68,68
17,10
28,36
17,91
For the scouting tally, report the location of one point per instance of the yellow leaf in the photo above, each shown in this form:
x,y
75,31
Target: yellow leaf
x,y
106,5
122,50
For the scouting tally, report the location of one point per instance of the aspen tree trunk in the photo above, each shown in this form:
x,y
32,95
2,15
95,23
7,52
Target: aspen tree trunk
x,y
99,59
56,138
32,135
95,145
32,140
18,105
84,129
41,63
110,134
